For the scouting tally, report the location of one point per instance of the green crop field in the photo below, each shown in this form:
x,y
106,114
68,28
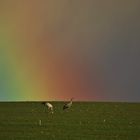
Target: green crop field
x,y
84,121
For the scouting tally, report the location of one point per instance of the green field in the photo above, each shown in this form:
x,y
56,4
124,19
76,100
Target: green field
x,y
84,121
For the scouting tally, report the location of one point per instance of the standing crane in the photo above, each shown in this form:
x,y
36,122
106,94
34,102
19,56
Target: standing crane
x,y
68,105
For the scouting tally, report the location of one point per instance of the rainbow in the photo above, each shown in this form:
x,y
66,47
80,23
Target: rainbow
x,y
37,61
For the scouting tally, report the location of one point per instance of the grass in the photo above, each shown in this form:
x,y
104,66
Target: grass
x,y
84,121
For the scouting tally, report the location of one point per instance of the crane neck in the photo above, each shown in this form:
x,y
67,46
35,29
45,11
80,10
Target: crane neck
x,y
71,100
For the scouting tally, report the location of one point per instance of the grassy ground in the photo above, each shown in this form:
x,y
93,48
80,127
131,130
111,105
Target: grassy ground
x,y
84,121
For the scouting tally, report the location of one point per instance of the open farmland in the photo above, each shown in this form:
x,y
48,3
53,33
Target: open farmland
x,y
84,121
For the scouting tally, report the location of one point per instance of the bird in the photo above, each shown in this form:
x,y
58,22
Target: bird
x,y
68,105
49,106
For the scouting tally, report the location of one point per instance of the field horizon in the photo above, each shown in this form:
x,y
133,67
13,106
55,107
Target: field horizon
x,y
84,101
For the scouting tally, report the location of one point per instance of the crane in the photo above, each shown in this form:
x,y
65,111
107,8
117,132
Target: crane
x,y
68,105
